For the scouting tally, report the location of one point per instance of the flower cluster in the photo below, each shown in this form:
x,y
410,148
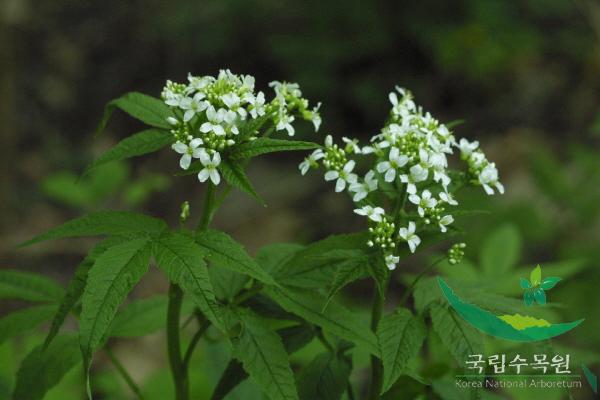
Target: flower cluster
x,y
410,166
213,114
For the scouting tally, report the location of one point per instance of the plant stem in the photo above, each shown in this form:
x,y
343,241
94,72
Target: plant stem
x,y
376,365
190,350
173,342
179,365
123,372
417,279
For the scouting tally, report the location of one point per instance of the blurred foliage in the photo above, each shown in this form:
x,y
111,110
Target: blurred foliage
x,y
524,75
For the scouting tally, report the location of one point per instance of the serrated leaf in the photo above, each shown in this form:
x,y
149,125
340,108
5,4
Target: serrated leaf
x,y
263,356
227,283
110,279
325,377
457,336
267,145
24,320
309,268
103,223
501,251
143,317
400,336
293,338
335,319
347,272
234,174
223,251
144,142
536,276
379,272
42,369
549,282
28,286
147,109
271,257
76,286
183,261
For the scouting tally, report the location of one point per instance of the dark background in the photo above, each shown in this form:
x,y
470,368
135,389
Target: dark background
x,y
524,75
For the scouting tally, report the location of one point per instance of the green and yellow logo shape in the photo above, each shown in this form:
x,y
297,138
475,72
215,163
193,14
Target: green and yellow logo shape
x,y
517,327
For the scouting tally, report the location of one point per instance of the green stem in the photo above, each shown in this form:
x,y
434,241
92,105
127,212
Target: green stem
x,y
173,342
190,350
417,279
123,372
376,365
178,364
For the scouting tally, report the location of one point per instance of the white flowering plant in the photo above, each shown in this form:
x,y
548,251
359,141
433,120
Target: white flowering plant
x,y
268,306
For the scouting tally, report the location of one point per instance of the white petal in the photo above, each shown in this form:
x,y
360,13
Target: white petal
x,y
203,175
189,114
390,175
411,227
185,161
488,189
331,175
411,188
215,177
216,160
413,198
196,142
340,185
179,147
206,127
218,130
349,166
204,158
383,166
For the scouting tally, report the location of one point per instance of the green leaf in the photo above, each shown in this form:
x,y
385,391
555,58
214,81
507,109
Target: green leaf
x,y
24,321
536,276
226,283
234,174
457,336
524,283
42,369
311,267
271,257
549,282
294,338
267,145
144,142
76,286
28,286
183,261
143,317
501,251
223,251
400,337
325,377
103,223
379,272
346,272
263,356
335,319
110,279
540,296
147,109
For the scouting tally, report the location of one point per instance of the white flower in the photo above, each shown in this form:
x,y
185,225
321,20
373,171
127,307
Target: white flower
x,y
489,177
466,147
423,202
257,104
409,235
193,106
328,141
444,221
361,190
352,144
373,213
214,121
210,167
396,160
285,122
344,176
316,117
391,261
233,101
417,174
375,148
188,151
310,161
448,198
